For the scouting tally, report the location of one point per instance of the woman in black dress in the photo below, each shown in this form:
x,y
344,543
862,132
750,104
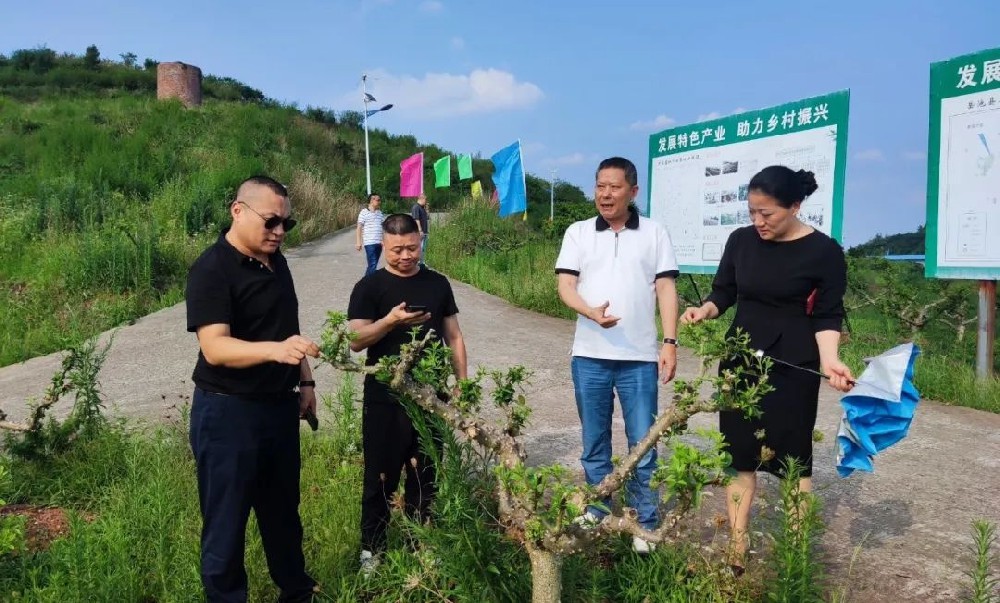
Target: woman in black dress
x,y
787,281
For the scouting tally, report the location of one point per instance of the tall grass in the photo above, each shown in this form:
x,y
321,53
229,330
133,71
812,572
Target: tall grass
x,y
984,575
107,201
499,256
135,524
797,571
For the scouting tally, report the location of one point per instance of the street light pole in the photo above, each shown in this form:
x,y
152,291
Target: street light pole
x,y
368,166
368,98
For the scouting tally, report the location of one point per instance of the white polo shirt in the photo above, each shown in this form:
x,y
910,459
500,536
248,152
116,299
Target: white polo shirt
x,y
620,268
371,223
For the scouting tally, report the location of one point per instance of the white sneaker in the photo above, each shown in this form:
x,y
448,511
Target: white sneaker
x,y
642,546
369,563
587,521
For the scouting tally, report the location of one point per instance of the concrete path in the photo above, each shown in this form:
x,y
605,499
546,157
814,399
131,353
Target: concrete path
x,y
911,519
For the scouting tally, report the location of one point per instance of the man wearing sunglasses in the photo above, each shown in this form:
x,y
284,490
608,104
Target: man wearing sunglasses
x,y
252,384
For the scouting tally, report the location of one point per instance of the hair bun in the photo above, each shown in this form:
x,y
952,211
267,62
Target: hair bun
x,y
808,181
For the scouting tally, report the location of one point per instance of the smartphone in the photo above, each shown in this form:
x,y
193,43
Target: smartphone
x,y
311,419
415,308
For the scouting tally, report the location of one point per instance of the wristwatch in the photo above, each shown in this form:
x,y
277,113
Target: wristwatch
x,y
306,383
671,341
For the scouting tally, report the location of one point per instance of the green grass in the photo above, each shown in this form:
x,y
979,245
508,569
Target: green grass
x,y
106,201
503,257
135,529
506,258
108,195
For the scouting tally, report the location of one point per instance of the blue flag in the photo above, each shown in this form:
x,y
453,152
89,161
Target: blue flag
x,y
508,177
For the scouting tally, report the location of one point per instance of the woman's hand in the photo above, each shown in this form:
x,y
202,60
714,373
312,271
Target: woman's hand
x,y
839,374
694,315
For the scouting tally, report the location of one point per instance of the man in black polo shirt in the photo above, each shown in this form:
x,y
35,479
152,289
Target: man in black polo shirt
x,y
378,313
252,384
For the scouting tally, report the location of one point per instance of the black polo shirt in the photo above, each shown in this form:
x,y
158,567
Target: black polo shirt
x,y
224,286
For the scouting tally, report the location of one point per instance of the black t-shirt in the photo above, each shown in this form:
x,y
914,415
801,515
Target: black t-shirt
x,y
226,287
378,293
419,213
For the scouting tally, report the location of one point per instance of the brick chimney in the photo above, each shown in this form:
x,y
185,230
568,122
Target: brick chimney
x,y
179,80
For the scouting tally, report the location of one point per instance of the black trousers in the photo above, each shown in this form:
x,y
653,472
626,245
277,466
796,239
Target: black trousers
x,y
391,445
247,457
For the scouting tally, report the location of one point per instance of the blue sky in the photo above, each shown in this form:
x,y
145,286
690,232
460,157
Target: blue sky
x,y
575,81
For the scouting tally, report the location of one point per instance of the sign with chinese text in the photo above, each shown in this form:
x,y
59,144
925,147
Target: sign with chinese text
x,y
963,173
699,174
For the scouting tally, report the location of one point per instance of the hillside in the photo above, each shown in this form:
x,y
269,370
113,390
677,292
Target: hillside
x,y
904,243
107,195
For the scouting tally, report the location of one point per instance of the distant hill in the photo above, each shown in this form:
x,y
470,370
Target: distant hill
x,y
906,243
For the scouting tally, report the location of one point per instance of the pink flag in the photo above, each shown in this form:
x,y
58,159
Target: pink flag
x,y
411,176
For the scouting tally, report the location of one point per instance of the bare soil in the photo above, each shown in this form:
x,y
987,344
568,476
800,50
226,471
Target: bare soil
x,y
42,524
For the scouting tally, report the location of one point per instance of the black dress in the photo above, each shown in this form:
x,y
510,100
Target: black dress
x,y
770,283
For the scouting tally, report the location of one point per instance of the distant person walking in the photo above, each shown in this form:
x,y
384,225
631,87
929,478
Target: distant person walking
x,y
252,383
419,213
369,232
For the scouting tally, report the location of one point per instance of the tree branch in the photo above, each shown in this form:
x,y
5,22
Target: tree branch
x,y
669,420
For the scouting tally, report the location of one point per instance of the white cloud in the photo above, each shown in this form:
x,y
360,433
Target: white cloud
x,y
869,155
577,158
457,43
445,94
657,123
431,6
914,155
716,114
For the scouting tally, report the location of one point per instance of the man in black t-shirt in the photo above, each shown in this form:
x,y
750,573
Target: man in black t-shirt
x,y
419,213
252,383
378,315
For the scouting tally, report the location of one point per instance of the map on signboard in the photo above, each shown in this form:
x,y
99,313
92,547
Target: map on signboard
x,y
970,179
963,172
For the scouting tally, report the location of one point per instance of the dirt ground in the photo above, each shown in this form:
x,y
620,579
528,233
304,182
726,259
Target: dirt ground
x,y
900,534
42,525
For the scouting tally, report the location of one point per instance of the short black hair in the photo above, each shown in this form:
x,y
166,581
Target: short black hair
x,y
373,195
620,163
784,185
267,182
400,224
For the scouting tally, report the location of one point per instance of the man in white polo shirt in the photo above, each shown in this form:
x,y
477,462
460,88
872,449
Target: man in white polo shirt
x,y
614,271
369,232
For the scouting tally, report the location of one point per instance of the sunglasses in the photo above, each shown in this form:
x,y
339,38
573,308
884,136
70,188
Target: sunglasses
x,y
272,222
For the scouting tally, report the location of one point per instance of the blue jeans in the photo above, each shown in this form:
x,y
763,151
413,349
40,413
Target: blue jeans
x,y
595,382
423,249
372,253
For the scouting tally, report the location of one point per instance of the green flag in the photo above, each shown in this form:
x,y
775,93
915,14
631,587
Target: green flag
x,y
442,172
464,167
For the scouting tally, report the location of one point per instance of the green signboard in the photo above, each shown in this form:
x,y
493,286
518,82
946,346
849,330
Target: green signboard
x,y
698,174
963,173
